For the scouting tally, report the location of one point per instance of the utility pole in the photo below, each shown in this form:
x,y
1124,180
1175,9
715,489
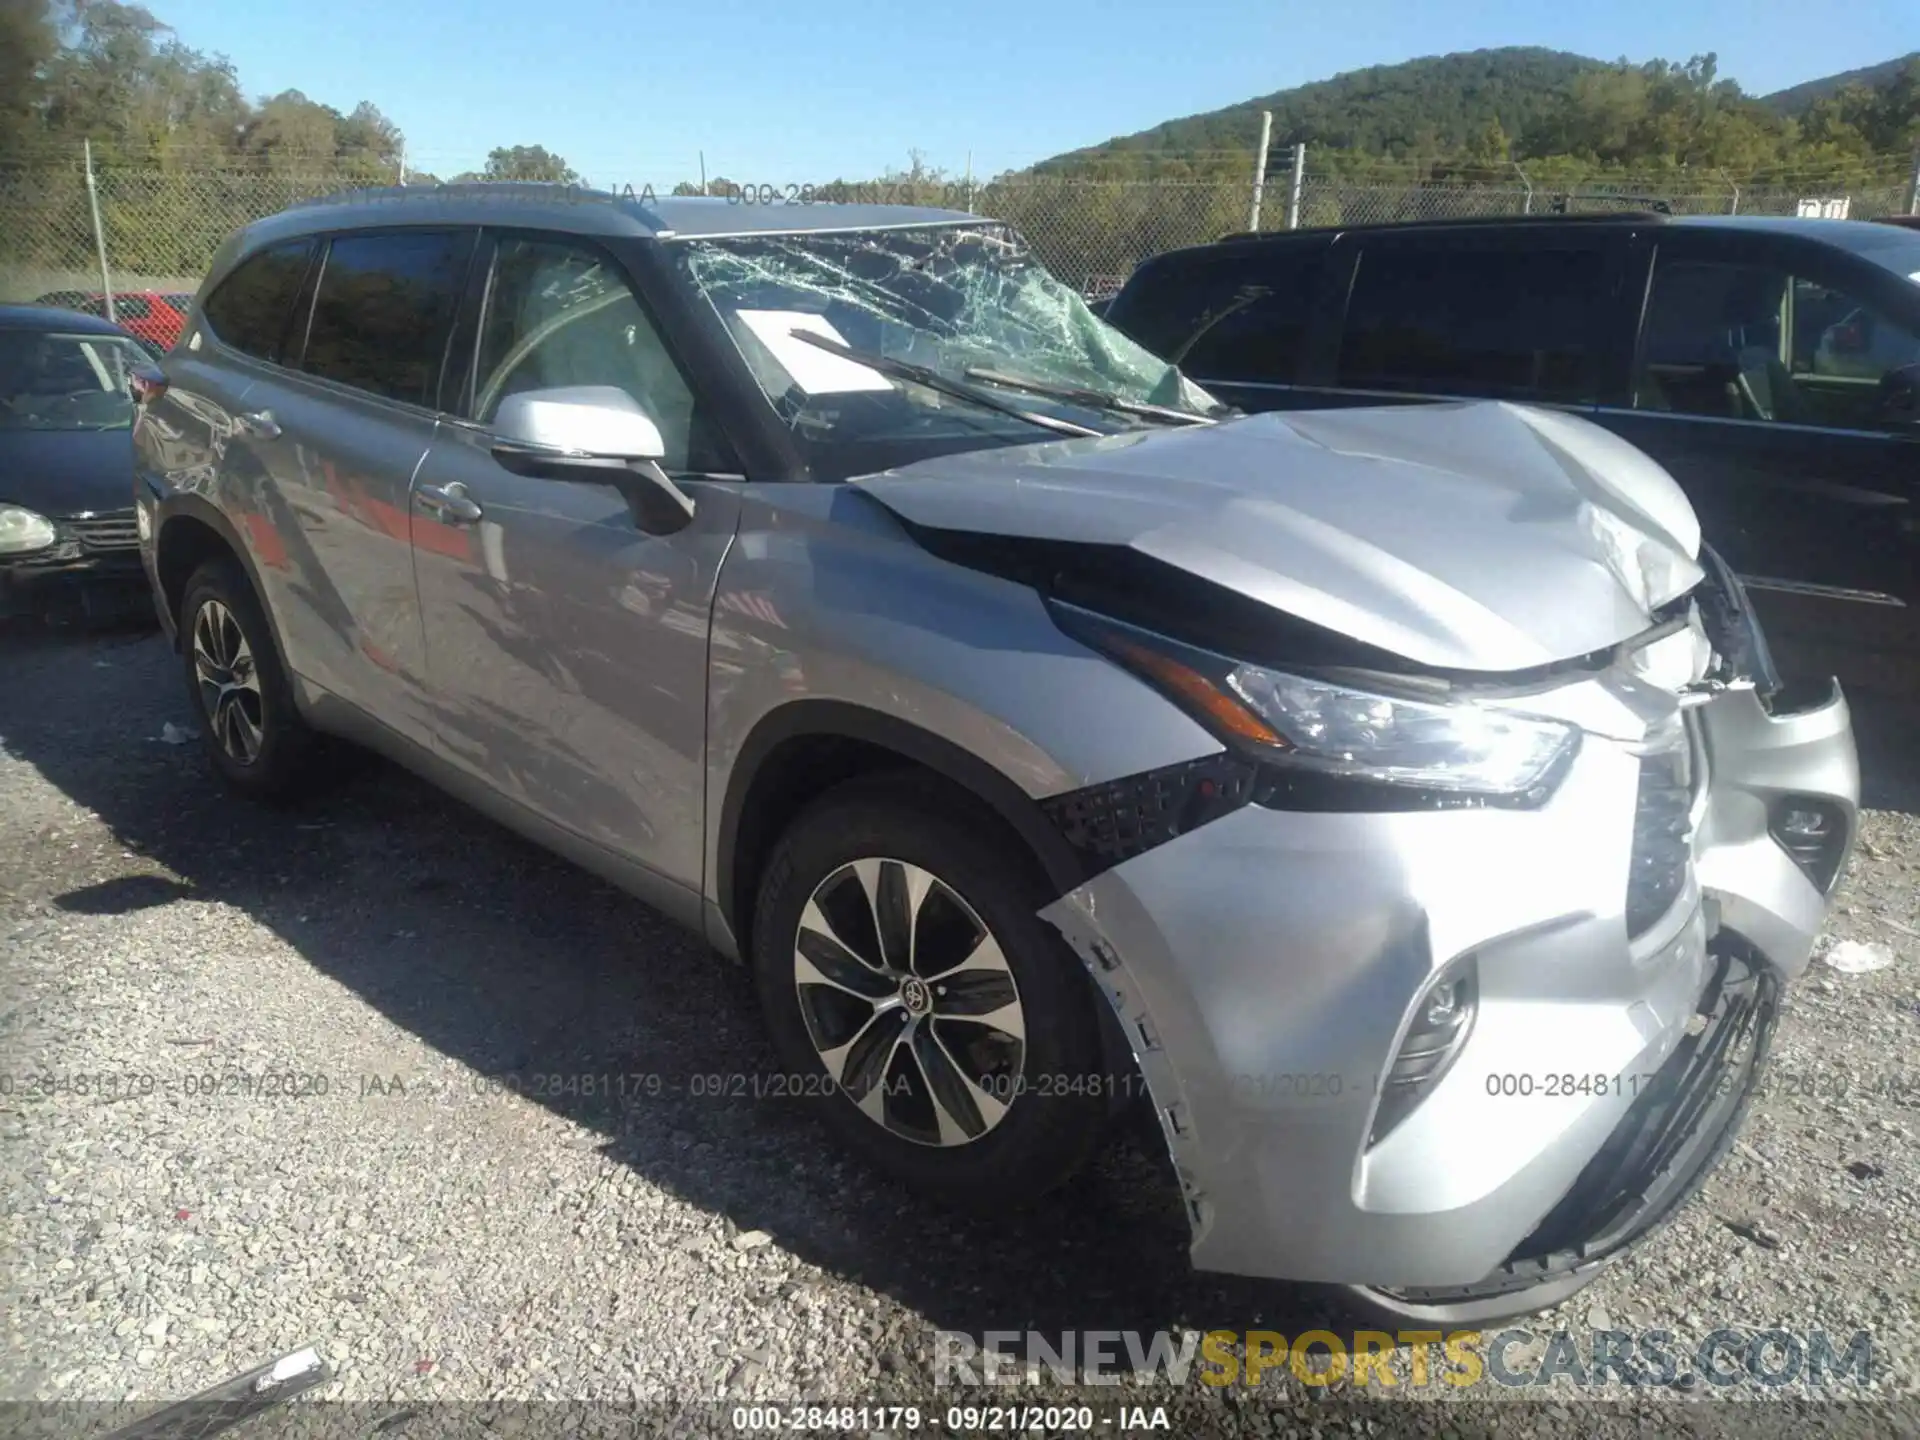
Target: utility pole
x,y
403,162
1913,187
1299,180
1260,168
99,231
969,182
703,172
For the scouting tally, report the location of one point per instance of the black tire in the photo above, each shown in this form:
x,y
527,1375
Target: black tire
x,y
284,763
1057,1089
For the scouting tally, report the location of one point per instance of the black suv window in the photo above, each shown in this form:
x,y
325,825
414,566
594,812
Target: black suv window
x,y
1754,342
1517,323
561,313
249,309
383,310
1241,317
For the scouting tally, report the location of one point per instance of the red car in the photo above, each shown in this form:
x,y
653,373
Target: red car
x,y
155,318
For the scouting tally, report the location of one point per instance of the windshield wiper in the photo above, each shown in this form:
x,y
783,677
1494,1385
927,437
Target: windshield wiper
x,y
933,380
1092,399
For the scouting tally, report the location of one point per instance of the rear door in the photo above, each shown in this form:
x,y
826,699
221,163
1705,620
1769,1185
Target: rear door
x,y
1757,384
342,428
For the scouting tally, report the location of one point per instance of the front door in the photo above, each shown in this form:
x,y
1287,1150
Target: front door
x,y
1757,384
568,647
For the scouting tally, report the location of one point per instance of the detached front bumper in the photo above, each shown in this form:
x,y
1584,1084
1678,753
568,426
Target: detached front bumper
x,y
1267,967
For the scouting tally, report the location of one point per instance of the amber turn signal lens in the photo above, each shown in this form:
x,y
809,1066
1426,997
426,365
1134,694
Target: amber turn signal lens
x,y
1193,687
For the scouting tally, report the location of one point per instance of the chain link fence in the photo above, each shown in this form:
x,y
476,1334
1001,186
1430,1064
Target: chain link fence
x,y
159,228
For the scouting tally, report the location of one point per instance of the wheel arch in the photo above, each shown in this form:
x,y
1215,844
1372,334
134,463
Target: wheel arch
x,y
802,749
191,531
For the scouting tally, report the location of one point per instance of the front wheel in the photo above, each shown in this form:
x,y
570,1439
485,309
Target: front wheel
x,y
944,1030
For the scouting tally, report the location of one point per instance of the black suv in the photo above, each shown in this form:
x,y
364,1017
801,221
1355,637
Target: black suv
x,y
1772,365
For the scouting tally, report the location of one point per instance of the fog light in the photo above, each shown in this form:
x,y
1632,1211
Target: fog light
x,y
1442,1005
1442,1020
1814,833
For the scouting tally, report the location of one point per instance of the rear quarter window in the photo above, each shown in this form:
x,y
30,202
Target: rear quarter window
x,y
250,309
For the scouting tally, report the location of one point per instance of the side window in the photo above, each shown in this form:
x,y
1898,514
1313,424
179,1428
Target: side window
x,y
561,313
1515,324
249,309
383,308
1233,318
1254,329
132,307
1754,342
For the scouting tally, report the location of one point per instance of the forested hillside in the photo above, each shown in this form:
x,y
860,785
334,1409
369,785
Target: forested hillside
x,y
1557,114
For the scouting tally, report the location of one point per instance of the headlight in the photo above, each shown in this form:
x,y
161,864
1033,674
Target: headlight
x,y
1460,747
1457,748
22,530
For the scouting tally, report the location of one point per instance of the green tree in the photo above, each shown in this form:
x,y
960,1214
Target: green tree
x,y
528,162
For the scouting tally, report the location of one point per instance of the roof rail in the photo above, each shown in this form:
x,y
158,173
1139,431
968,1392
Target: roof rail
x,y
1648,216
445,189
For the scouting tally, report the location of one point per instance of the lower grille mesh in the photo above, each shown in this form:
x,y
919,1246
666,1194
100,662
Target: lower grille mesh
x,y
1662,845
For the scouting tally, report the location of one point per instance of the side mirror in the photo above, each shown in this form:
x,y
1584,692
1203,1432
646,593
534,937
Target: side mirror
x,y
593,433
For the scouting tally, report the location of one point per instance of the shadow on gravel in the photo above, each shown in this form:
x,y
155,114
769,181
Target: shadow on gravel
x,y
541,979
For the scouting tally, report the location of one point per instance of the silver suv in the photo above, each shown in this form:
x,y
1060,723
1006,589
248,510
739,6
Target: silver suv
x,y
1398,801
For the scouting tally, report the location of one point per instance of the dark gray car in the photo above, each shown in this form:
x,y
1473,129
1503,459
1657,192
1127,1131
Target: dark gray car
x,y
1393,800
67,537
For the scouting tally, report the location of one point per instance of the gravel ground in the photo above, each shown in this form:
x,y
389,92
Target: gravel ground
x,y
443,1235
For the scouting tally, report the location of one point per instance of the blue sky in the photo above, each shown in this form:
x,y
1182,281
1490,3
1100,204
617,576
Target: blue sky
x,y
791,93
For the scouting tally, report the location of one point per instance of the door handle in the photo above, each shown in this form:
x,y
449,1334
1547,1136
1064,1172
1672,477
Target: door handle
x,y
448,503
260,423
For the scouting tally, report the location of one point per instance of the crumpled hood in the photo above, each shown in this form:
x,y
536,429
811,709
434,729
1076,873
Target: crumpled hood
x,y
1479,536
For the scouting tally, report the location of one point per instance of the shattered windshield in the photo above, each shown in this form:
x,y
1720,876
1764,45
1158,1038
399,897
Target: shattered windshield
x,y
971,304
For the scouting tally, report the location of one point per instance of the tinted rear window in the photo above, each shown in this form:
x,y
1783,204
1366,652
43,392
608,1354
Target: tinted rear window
x,y
249,309
1517,323
1228,317
383,310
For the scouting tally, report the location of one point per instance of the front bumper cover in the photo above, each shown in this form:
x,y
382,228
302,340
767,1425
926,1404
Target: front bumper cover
x,y
1264,967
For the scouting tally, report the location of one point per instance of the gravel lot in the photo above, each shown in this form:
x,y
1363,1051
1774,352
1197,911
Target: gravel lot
x,y
438,1241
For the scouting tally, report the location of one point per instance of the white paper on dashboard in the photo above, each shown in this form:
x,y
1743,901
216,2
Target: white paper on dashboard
x,y
813,369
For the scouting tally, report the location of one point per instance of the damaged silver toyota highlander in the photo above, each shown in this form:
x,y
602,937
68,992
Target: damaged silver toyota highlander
x,y
1399,801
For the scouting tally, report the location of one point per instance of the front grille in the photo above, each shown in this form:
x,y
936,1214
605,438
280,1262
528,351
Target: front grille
x,y
1662,843
104,530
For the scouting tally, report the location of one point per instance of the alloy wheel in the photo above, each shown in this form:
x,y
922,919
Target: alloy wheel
x,y
229,682
909,1002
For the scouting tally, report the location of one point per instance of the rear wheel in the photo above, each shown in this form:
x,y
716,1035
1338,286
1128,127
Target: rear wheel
x,y
252,731
942,1029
